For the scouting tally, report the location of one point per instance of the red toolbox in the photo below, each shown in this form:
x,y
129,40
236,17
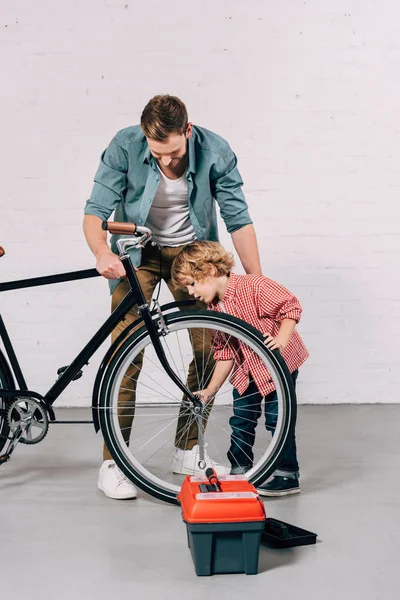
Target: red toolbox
x,y
223,527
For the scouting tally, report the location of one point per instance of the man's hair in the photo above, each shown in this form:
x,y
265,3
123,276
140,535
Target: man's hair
x,y
162,116
200,260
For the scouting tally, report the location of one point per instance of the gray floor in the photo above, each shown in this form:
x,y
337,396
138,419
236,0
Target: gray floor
x,y
62,538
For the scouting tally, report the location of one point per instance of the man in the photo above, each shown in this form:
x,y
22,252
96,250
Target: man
x,y
166,174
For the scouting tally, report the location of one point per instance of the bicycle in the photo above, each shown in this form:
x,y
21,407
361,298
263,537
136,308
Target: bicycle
x,y
160,342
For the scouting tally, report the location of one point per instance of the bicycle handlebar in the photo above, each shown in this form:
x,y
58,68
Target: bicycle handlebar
x,y
112,227
119,228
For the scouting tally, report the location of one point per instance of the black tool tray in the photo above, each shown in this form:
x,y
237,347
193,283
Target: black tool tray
x,y
279,534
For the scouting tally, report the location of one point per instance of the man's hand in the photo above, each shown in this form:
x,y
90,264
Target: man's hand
x,y
109,265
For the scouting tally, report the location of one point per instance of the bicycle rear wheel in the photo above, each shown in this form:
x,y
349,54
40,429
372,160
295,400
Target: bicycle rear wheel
x,y
5,382
136,385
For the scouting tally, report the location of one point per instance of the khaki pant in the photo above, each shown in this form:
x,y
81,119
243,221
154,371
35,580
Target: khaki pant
x,y
156,265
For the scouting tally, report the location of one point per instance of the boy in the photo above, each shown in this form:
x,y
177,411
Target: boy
x,y
204,270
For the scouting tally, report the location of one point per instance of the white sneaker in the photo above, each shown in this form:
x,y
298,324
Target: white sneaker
x,y
186,462
114,483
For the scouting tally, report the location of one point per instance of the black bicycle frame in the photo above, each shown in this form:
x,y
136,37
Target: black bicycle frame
x,y
134,297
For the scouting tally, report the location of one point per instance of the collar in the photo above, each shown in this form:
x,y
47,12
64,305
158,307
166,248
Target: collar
x,y
192,156
148,157
230,291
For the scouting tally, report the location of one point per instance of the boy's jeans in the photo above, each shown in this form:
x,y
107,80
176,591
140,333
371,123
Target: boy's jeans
x,y
246,412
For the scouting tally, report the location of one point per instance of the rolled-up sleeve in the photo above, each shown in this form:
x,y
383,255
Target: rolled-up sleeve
x,y
224,354
221,347
276,302
109,182
226,185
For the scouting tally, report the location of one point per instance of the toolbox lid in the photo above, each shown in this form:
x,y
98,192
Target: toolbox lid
x,y
237,502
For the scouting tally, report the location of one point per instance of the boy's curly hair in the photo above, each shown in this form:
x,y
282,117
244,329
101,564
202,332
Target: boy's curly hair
x,y
200,260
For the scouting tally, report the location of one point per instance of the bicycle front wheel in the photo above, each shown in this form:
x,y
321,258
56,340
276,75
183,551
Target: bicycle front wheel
x,y
148,427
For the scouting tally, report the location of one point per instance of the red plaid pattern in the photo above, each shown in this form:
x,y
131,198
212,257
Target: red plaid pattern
x,y
264,304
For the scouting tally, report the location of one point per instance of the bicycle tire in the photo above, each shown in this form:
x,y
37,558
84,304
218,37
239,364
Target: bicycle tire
x,y
180,322
5,382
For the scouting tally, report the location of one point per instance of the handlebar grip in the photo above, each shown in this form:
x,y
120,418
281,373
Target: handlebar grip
x,y
119,228
2,251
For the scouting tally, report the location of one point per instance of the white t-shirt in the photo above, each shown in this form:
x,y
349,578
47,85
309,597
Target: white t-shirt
x,y
169,218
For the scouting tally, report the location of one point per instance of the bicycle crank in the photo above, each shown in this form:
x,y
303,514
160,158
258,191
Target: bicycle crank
x,y
28,420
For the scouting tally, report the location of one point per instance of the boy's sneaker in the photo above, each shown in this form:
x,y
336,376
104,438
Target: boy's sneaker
x,y
114,483
185,462
239,470
280,486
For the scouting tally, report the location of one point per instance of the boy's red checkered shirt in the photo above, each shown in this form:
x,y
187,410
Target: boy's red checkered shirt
x,y
264,304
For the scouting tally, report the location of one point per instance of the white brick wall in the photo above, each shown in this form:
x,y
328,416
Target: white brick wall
x,y
307,93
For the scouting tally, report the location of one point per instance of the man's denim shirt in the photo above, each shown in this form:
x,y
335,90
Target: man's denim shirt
x,y
127,180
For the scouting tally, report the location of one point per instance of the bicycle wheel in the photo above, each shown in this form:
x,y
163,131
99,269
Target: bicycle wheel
x,y
5,382
136,385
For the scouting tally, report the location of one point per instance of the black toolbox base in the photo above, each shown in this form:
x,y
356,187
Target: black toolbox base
x,y
225,547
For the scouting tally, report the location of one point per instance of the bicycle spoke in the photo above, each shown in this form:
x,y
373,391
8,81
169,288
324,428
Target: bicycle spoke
x,y
150,388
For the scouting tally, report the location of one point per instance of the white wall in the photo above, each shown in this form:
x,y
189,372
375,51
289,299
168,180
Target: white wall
x,y
306,92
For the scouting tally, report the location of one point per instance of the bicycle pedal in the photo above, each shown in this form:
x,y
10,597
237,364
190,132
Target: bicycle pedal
x,y
62,370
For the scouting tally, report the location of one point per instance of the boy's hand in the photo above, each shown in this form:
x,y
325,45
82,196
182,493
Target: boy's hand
x,y
274,343
282,339
205,395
